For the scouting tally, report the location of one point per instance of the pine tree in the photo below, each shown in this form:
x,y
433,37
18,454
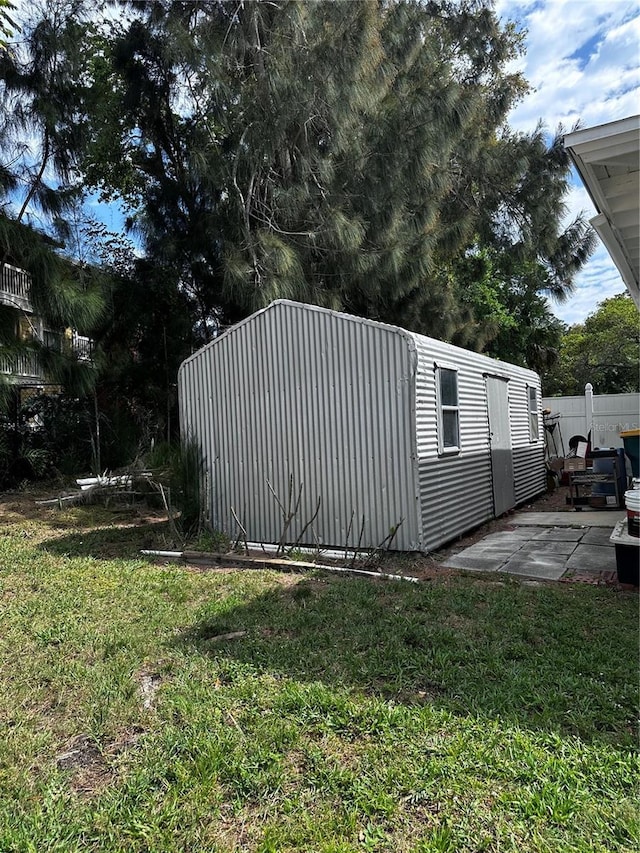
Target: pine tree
x,y
346,154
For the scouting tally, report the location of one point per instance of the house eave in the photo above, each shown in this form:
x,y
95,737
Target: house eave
x,y
607,159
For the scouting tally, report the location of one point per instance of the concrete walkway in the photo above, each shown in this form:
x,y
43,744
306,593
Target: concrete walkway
x,y
579,518
546,546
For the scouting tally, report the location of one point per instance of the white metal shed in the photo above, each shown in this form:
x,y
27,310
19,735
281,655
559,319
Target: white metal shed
x,y
378,424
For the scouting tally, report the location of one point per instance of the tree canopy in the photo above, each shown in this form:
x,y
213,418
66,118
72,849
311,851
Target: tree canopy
x,y
346,154
604,350
40,80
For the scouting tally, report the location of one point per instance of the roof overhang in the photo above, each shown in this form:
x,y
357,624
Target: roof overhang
x,y
607,158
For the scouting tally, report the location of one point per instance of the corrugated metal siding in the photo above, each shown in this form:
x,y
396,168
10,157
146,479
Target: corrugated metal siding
x,y
296,390
348,407
529,474
456,492
456,496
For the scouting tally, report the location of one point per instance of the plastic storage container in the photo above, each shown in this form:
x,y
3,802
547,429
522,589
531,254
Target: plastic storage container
x,y
627,554
632,503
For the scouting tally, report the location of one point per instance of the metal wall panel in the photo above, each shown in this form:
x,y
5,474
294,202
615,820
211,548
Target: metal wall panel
x,y
456,496
529,473
456,492
296,391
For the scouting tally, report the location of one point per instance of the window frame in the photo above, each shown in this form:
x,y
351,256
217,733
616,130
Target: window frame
x,y
441,408
534,413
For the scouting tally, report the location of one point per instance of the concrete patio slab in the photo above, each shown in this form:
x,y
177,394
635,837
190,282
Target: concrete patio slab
x,y
483,556
560,534
545,546
548,567
504,549
592,558
585,518
473,563
563,549
597,536
509,538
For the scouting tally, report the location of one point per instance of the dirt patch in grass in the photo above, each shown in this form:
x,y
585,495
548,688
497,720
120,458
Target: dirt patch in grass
x,y
88,771
84,530
22,508
90,768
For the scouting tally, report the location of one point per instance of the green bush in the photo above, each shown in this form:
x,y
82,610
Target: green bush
x,y
47,435
179,470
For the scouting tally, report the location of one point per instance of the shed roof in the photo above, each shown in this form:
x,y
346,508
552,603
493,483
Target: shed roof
x,y
607,158
491,365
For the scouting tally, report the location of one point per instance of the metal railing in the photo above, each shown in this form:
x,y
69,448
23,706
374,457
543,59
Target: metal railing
x,y
82,347
15,287
22,365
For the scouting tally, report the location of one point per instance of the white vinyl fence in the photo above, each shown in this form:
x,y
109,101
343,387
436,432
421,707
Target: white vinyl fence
x,y
605,416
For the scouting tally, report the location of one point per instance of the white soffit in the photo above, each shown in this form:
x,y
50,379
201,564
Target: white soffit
x,y
607,158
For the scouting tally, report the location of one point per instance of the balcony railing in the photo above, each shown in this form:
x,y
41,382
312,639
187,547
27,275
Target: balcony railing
x,y
22,366
25,366
82,347
15,287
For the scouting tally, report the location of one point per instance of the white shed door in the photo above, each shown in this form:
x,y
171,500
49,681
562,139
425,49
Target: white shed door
x,y
500,437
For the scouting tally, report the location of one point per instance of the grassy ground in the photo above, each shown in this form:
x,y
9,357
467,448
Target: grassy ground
x,y
154,708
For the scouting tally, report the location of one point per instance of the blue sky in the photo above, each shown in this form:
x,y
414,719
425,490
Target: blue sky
x,y
582,63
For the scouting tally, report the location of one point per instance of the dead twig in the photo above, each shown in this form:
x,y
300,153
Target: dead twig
x,y
310,522
241,535
232,635
170,516
356,550
385,545
346,538
288,513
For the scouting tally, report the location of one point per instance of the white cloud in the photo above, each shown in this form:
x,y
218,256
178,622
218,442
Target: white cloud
x,y
580,60
598,281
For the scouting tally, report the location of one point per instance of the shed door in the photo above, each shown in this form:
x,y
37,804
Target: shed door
x,y
500,438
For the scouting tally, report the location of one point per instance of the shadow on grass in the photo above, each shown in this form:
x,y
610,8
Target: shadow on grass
x,y
119,542
556,658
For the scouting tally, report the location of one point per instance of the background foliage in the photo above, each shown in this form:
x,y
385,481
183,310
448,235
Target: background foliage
x,y
604,350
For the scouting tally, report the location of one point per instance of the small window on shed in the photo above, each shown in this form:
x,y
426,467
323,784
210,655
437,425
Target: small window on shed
x,y
534,431
448,411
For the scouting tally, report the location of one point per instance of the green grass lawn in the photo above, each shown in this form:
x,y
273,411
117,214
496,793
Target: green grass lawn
x,y
461,714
